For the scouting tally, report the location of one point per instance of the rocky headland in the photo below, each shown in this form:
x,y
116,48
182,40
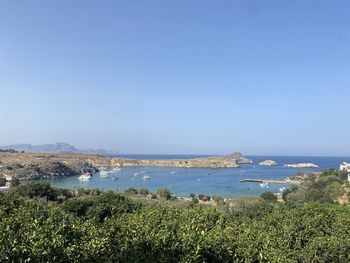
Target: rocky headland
x,y
28,166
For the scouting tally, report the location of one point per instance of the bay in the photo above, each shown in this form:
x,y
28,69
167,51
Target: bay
x,y
183,181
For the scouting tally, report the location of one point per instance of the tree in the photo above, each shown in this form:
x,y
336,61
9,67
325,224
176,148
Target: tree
x,y
38,189
131,191
217,198
2,181
164,193
195,200
15,182
143,192
269,197
285,194
201,196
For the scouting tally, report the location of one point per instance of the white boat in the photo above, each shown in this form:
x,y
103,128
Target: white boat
x,y
146,177
264,185
136,174
104,173
173,172
115,178
282,189
85,177
117,169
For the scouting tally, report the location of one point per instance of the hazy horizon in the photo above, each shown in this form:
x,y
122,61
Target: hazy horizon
x,y
183,153
184,77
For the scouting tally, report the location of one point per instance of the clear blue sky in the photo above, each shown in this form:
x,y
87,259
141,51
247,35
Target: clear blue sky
x,y
185,76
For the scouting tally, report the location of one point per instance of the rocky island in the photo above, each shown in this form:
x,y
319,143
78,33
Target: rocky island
x,y
302,165
28,166
268,163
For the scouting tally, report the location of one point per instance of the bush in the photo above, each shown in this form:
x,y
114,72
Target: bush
x,y
15,182
217,198
164,193
110,227
143,192
131,191
37,190
269,197
2,181
200,196
195,200
285,194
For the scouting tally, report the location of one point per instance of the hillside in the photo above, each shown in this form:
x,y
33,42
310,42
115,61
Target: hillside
x,y
54,148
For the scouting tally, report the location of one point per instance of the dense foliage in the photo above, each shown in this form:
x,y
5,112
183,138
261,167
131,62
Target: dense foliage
x,y
327,187
42,224
2,181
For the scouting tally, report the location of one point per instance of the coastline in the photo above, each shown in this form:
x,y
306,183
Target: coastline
x,y
28,166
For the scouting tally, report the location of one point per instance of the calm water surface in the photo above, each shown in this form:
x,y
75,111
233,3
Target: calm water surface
x,y
183,181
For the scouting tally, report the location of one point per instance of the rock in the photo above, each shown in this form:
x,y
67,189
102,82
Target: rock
x,y
268,163
28,166
302,165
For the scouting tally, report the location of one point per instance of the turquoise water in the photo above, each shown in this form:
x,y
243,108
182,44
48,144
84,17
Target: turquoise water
x,y
224,181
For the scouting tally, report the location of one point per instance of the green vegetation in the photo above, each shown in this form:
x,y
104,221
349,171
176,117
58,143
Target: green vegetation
x,y
131,191
143,192
327,187
164,193
2,181
269,197
42,224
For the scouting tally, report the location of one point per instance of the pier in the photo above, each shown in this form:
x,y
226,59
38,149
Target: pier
x,y
251,180
283,181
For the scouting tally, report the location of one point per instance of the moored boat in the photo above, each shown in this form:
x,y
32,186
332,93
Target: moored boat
x,y
85,177
104,173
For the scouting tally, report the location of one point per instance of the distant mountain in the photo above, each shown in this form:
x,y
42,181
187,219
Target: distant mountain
x,y
54,148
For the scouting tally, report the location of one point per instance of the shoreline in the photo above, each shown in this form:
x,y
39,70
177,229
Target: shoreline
x,y
31,166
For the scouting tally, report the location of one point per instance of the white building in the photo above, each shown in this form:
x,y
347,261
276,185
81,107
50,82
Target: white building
x,y
345,166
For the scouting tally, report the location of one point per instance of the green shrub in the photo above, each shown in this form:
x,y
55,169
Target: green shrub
x,y
37,190
131,191
269,197
111,227
2,181
217,198
143,192
164,193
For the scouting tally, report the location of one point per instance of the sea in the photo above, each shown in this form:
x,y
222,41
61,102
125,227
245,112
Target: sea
x,y
182,182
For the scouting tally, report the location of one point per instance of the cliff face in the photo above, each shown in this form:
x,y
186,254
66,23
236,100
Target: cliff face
x,y
40,165
28,166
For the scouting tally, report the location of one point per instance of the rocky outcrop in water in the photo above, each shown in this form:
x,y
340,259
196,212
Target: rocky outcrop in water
x,y
268,163
302,165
